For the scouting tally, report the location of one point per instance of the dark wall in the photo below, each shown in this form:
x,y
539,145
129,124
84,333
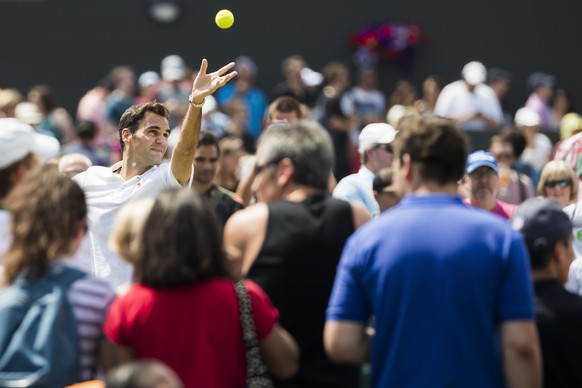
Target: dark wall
x,y
71,44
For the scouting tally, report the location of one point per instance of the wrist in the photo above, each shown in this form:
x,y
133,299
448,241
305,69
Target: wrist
x,y
195,103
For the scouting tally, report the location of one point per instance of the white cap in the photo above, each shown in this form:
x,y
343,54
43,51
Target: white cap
x,y
375,133
173,68
474,73
527,117
18,139
148,78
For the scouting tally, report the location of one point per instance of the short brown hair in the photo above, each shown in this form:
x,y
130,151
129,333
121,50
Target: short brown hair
x,y
286,104
133,116
437,145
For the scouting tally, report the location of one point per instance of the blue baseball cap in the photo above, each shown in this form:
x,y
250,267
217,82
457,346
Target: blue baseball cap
x,y
479,159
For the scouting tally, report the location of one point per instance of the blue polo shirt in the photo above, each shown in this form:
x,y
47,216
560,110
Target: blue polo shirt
x,y
439,278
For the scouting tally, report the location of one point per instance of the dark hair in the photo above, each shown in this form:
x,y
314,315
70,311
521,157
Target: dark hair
x,y
86,129
514,137
208,139
181,242
286,104
46,97
47,209
133,116
540,256
437,145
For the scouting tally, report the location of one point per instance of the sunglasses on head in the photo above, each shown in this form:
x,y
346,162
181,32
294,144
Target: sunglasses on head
x,y
558,182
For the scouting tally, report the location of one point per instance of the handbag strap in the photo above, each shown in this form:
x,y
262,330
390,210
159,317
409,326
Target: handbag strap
x,y
257,373
246,317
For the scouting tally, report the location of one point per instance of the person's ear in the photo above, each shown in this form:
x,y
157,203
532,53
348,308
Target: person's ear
x,y
406,166
285,172
125,135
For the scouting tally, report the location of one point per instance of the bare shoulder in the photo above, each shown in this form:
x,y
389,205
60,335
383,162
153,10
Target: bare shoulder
x,y
247,219
244,234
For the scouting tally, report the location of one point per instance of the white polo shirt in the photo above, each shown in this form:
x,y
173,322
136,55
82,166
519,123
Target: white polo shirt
x,y
106,193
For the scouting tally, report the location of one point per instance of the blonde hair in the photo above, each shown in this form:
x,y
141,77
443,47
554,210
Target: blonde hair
x,y
558,167
125,237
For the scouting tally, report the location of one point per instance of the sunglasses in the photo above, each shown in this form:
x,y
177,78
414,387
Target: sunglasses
x,y
259,168
385,147
563,183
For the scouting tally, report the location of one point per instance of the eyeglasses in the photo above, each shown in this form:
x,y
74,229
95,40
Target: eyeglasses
x,y
385,147
563,183
259,168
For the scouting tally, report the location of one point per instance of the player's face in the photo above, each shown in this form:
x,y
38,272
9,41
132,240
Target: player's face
x,y
149,143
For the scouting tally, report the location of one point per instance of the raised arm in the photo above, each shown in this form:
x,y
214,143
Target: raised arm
x,y
204,85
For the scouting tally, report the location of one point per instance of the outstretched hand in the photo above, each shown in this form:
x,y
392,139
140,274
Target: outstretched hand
x,y
206,84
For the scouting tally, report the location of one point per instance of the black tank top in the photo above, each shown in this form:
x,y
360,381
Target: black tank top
x,y
296,267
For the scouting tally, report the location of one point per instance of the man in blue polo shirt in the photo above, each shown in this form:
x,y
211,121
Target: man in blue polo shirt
x,y
447,285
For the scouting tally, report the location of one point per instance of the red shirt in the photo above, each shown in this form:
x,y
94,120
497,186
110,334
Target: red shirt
x,y
194,330
502,209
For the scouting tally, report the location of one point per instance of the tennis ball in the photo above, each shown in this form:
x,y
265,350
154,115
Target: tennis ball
x,y
224,19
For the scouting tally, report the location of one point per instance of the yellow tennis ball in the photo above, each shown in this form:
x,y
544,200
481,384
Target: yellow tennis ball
x,y
224,19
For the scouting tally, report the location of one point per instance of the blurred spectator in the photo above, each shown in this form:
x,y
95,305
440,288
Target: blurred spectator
x,y
404,93
175,88
482,184
499,80
365,102
547,232
73,164
86,133
228,170
123,94
55,119
538,149
558,182
431,89
541,87
294,84
562,104
149,84
243,88
514,186
9,98
469,101
328,112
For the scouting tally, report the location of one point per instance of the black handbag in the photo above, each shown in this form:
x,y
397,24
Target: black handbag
x,y
257,374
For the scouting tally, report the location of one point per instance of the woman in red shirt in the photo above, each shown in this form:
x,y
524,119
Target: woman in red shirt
x,y
184,311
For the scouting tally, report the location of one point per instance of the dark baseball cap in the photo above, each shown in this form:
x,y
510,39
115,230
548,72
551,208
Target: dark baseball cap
x,y
542,223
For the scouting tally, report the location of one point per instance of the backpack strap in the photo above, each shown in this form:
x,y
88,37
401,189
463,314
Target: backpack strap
x,y
67,276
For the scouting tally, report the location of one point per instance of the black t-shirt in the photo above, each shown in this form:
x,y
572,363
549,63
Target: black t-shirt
x,y
559,321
